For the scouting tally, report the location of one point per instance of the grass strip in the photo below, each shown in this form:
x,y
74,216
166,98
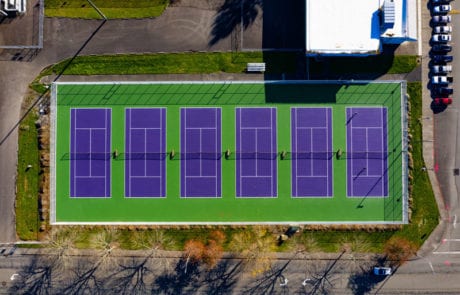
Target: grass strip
x,y
112,9
27,185
214,62
425,214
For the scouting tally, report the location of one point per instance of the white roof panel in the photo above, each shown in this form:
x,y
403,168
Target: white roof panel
x,y
338,26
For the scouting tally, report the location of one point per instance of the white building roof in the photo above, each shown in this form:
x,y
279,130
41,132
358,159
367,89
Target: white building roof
x,y
405,25
338,26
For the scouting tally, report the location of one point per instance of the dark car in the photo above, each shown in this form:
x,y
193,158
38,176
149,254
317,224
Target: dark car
x,y
441,48
441,1
442,58
442,91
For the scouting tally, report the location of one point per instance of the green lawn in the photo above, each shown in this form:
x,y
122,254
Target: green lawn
x,y
27,183
174,63
110,8
425,214
215,62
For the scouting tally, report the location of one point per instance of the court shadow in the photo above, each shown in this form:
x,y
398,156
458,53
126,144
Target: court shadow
x,y
292,92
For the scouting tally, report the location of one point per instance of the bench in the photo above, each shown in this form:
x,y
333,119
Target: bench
x,y
255,67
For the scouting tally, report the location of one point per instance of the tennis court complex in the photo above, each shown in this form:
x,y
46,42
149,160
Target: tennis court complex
x,y
229,152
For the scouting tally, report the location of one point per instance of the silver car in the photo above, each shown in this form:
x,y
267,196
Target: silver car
x,y
441,38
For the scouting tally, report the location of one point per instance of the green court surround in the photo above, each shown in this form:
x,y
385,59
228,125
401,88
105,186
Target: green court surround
x,y
228,209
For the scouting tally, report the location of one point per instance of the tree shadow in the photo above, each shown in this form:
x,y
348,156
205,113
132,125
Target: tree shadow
x,y
231,15
269,282
180,281
85,279
321,278
222,278
131,277
35,278
364,281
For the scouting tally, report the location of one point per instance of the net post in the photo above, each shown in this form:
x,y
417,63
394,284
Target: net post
x,y
227,154
338,154
283,155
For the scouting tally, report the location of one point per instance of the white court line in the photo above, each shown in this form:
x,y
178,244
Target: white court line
x,y
149,128
200,139
351,110
91,128
201,128
383,150
185,152
367,151
370,127
74,148
296,149
130,151
90,177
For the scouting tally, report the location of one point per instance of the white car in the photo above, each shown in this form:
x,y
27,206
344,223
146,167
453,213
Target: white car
x,y
442,19
442,8
441,69
441,80
382,271
442,29
441,38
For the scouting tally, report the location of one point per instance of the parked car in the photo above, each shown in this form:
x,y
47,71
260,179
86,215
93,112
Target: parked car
x,y
441,69
442,8
441,19
382,271
443,100
442,58
442,91
441,80
441,38
442,29
441,48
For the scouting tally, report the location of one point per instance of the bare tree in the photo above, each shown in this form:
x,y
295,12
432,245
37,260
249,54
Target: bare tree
x,y
398,250
61,245
256,246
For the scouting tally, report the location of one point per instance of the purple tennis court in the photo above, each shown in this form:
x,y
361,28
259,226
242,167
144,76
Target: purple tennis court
x,y
311,152
367,152
90,152
145,147
256,150
201,152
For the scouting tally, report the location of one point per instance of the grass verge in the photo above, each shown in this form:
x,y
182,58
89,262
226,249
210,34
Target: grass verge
x,y
27,183
174,63
204,62
112,9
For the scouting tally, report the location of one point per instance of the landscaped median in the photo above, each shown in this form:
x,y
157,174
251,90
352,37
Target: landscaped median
x,y
110,8
424,211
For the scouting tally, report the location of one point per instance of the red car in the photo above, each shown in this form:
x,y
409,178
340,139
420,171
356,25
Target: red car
x,y
443,100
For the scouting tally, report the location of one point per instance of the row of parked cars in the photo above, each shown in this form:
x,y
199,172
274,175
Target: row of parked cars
x,y
441,89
